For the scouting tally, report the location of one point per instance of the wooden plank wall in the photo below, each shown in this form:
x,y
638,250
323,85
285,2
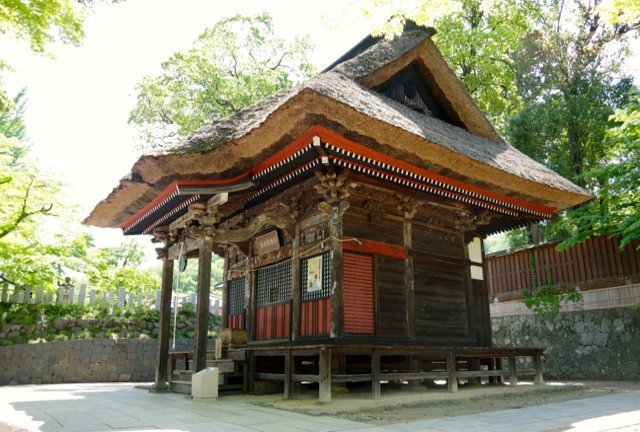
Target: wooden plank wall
x,y
391,299
439,284
588,265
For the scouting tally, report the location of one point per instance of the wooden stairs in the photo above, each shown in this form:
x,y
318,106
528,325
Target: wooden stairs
x,y
233,373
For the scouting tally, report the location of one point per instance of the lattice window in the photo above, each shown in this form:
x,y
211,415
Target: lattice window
x,y
273,283
236,295
308,291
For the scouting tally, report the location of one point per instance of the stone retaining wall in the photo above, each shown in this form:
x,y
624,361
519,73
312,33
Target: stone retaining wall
x,y
590,344
97,360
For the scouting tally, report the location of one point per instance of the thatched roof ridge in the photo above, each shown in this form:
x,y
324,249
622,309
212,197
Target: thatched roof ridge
x,y
383,52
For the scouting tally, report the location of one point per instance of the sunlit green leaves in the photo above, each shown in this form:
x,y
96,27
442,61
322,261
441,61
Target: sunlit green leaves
x,y
233,64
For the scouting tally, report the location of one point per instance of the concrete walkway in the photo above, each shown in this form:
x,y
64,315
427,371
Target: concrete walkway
x,y
109,407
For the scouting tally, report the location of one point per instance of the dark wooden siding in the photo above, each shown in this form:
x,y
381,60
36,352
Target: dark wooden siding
x,y
359,316
356,224
440,284
392,309
596,263
274,321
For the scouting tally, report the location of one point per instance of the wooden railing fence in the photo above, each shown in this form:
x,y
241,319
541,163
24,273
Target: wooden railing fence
x,y
596,263
98,299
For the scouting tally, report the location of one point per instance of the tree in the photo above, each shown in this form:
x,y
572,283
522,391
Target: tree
x,y
616,210
233,64
118,267
561,84
477,38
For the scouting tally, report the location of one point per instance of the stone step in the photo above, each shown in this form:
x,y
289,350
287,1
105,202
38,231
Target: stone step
x,y
223,365
181,387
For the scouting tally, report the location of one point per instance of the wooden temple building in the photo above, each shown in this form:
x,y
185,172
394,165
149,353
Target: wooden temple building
x,y
350,212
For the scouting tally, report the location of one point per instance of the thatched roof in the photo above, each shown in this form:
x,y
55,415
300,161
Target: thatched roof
x,y
343,100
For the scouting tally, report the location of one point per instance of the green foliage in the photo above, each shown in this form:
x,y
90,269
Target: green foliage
x,y
478,41
233,64
186,282
11,118
111,268
40,22
545,300
24,323
616,210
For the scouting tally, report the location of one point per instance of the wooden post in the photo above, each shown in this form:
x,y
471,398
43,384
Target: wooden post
x,y
158,299
452,380
325,375
27,294
336,283
296,288
289,366
251,373
537,364
82,294
122,295
38,298
513,377
250,301
162,380
408,281
224,319
375,374
202,315
60,299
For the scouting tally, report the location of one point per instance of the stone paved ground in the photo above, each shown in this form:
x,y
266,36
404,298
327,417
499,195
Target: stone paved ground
x,y
109,407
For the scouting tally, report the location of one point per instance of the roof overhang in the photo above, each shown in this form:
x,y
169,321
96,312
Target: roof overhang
x,y
320,146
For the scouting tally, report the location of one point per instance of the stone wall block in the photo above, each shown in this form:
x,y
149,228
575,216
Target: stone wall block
x,y
595,344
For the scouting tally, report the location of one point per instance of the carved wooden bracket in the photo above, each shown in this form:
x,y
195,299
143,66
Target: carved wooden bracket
x,y
469,221
407,206
280,217
332,187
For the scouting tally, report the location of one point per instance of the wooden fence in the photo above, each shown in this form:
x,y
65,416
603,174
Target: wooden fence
x,y
92,298
596,263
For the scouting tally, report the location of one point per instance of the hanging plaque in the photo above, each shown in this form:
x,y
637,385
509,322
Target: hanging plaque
x,y
314,274
266,243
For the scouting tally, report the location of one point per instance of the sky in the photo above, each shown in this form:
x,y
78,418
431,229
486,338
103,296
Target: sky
x,y
79,101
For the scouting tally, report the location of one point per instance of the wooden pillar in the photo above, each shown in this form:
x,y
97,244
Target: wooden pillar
x,y
375,374
325,375
250,306
337,283
288,371
452,380
162,357
296,288
537,364
224,315
487,336
513,377
408,281
202,317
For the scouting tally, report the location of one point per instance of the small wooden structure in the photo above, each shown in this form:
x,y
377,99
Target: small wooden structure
x,y
350,212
